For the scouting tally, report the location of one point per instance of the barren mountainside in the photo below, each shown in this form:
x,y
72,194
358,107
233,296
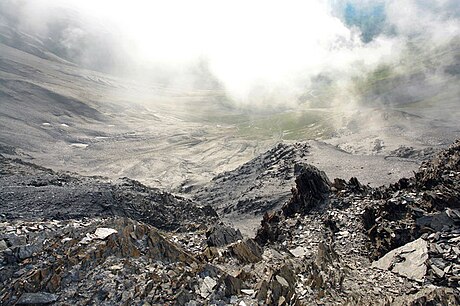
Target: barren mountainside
x,y
331,242
230,153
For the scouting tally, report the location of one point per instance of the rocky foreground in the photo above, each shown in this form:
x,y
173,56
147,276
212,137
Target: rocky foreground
x,y
67,239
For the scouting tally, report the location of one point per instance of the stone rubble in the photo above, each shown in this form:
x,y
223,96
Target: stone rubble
x,y
331,243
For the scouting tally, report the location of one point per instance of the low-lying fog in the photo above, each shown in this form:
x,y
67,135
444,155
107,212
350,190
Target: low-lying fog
x,y
170,91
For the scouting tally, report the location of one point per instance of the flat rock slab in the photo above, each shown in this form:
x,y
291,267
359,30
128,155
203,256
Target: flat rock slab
x,y
298,252
408,260
38,298
104,232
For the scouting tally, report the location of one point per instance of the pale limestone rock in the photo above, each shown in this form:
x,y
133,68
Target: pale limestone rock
x,y
408,260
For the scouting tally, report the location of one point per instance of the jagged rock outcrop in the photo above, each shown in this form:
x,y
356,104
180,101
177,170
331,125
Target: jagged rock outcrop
x,y
269,229
247,251
258,186
105,261
414,223
426,206
311,191
76,254
340,243
221,235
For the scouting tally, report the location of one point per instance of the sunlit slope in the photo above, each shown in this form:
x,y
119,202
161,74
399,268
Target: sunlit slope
x,y
69,118
75,119
57,109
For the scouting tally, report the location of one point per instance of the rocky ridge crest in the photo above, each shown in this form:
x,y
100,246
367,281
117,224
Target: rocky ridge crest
x,y
336,242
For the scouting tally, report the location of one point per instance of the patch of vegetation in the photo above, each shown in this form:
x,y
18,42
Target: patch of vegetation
x,y
298,125
375,81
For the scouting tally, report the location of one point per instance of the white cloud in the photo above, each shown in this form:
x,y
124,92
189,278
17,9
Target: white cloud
x,y
263,50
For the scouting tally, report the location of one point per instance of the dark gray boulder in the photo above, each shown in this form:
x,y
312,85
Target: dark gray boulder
x,y
222,235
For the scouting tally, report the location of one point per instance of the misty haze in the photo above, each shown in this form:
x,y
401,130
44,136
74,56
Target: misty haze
x,y
229,152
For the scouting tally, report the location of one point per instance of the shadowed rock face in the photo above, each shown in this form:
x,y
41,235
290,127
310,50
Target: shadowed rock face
x,y
440,178
221,235
312,189
31,192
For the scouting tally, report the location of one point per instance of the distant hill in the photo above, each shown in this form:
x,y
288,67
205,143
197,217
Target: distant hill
x,y
60,34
